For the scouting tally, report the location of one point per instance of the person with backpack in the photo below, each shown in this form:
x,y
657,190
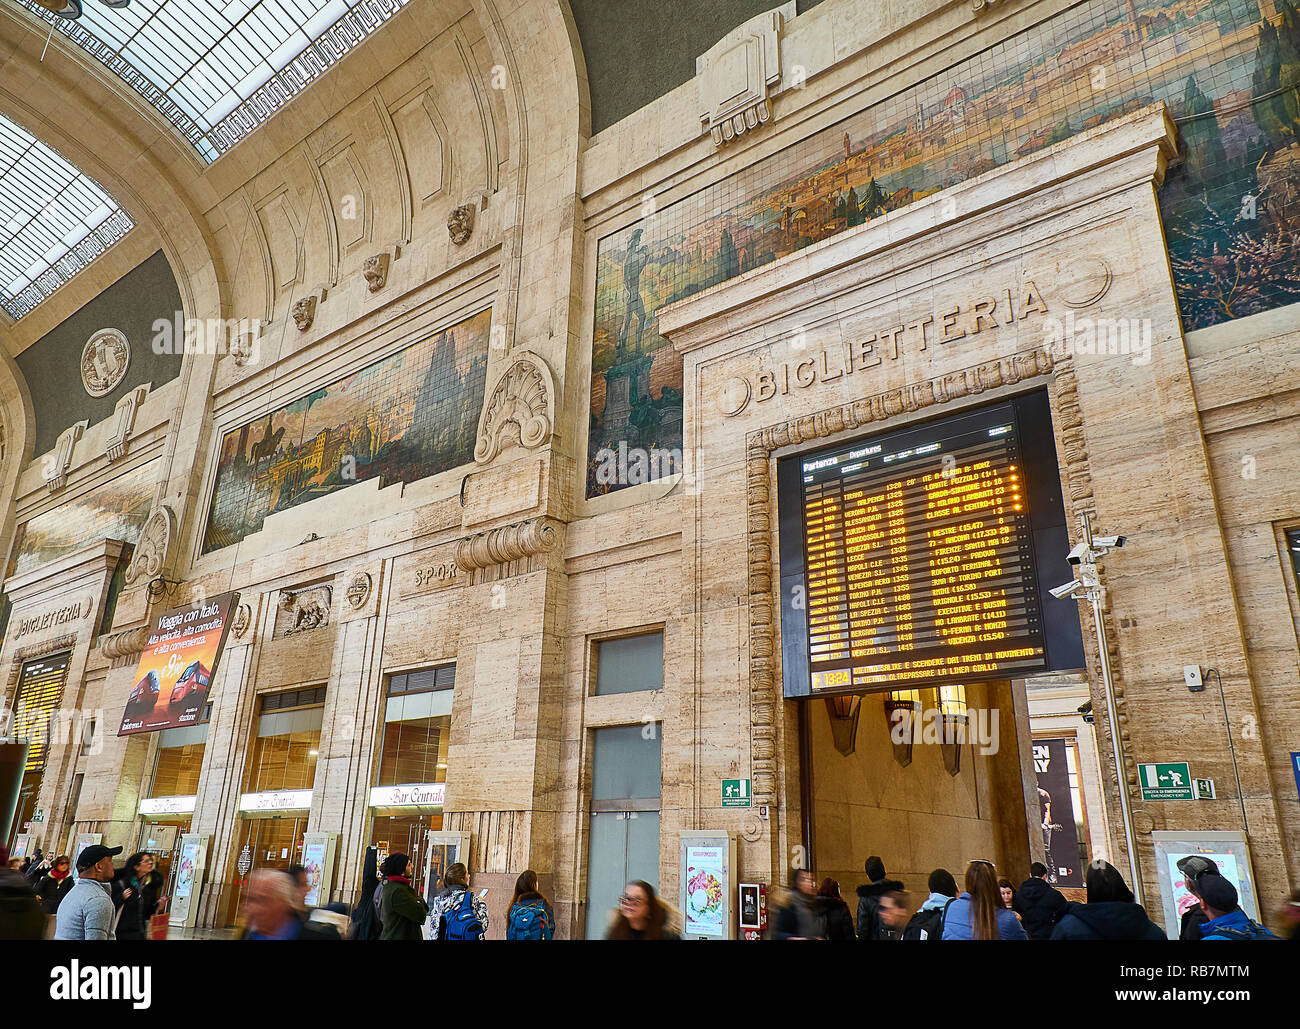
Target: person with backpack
x,y
456,913
1039,904
401,911
869,896
56,884
833,913
979,914
1226,919
927,923
1111,912
530,915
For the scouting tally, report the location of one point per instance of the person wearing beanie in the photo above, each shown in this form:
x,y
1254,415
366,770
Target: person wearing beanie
x,y
869,894
401,911
1111,912
1038,904
1193,916
1226,919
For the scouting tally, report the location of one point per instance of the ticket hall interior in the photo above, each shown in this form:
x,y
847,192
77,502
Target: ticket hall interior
x,y
483,432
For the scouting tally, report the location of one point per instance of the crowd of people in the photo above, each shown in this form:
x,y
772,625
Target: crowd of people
x,y
40,898
989,907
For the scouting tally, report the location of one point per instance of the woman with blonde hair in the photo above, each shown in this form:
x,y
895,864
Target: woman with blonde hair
x,y
979,913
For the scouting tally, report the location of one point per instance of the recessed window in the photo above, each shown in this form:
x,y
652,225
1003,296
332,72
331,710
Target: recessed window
x,y
630,664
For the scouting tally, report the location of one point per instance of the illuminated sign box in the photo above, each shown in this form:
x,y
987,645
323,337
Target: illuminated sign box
x,y
923,556
276,800
167,806
429,794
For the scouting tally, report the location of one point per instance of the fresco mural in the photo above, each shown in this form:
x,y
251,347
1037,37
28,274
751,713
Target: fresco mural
x,y
1228,69
411,415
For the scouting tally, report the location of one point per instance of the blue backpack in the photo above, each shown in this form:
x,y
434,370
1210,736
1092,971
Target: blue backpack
x,y
461,922
528,922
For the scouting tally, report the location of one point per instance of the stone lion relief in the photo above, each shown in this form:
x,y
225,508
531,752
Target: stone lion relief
x,y
301,610
460,223
520,409
150,556
375,271
104,361
304,313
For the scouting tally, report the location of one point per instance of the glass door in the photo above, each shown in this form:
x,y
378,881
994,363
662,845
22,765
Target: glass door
x,y
264,843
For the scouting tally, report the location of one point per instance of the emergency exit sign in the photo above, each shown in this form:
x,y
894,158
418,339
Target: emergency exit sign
x,y
1170,781
735,793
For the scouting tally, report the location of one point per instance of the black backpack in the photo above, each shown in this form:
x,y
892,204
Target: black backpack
x,y
927,925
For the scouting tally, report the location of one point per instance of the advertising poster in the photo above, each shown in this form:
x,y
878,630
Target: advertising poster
x,y
1056,813
316,859
706,875
189,861
22,845
176,667
79,843
1184,901
1227,849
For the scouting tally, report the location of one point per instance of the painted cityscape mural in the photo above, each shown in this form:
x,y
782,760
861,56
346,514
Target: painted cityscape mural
x,y
411,415
1228,69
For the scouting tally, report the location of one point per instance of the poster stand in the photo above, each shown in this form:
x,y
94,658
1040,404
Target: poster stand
x,y
708,875
441,850
189,880
318,859
1229,850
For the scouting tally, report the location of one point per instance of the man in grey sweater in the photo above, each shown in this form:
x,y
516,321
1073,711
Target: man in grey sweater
x,y
86,913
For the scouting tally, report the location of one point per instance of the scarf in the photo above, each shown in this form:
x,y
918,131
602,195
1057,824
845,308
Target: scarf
x,y
58,876
399,879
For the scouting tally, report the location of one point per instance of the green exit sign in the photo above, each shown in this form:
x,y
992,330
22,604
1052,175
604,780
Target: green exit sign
x,y
38,815
735,793
1168,781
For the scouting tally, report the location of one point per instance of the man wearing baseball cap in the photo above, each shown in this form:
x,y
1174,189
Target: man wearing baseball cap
x,y
1193,866
87,912
1227,920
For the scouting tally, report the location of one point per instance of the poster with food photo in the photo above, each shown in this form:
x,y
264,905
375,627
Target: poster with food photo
x,y
706,876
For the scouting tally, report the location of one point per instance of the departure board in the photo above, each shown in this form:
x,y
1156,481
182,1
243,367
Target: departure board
x,y
919,563
40,691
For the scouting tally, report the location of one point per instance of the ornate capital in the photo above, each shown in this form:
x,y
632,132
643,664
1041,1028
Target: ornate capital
x,y
521,408
509,543
128,643
153,547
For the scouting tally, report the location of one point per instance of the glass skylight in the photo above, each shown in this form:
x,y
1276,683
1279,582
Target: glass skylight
x,y
217,70
53,220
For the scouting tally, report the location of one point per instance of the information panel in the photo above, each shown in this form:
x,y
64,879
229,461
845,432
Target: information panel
x,y
919,558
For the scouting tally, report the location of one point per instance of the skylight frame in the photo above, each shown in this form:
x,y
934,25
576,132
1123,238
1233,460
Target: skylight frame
x,y
54,220
210,67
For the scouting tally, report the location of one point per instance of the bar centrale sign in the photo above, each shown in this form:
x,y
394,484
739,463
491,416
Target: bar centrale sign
x,y
276,800
167,806
427,794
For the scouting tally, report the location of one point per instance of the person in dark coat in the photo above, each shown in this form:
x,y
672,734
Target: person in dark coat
x,y
1193,867
22,915
139,886
401,911
869,895
1039,905
1110,914
836,922
53,887
799,918
365,915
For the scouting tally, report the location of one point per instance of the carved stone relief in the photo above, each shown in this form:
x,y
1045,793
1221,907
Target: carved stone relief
x,y
509,543
104,361
55,468
304,312
124,422
460,223
739,75
375,271
519,410
358,590
243,619
151,550
302,610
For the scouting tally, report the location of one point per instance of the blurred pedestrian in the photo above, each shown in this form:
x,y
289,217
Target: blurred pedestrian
x,y
892,915
640,915
1291,917
140,886
978,913
365,915
530,915
836,922
927,923
22,915
54,886
799,917
270,912
1111,912
1039,904
401,911
87,913
869,894
1227,920
457,913
1193,867
38,867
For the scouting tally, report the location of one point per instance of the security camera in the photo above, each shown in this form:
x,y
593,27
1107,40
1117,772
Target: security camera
x,y
1066,591
1085,708
1078,553
1106,542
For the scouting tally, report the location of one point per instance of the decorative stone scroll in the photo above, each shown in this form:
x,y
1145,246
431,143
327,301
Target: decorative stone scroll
x,y
128,643
243,619
123,422
153,547
509,543
521,408
55,469
302,610
764,675
739,75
